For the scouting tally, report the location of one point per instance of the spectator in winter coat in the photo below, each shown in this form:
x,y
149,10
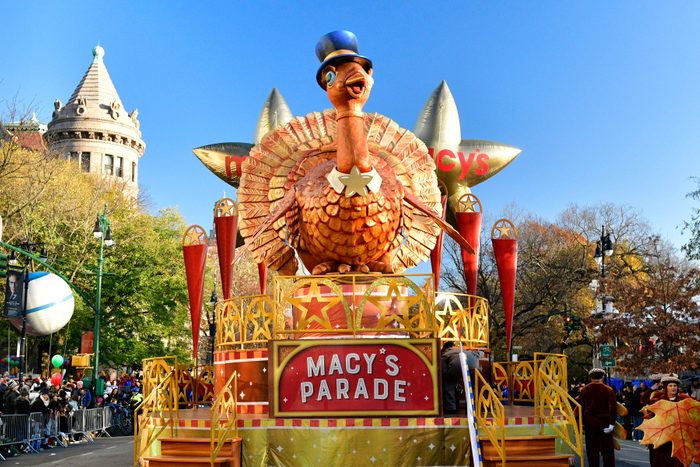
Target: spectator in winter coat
x,y
661,456
11,397
41,403
599,409
22,403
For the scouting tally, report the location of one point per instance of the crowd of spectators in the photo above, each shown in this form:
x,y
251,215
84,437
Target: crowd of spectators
x,y
31,395
636,396
630,405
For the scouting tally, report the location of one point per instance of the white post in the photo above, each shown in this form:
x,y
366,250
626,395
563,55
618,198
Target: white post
x,y
469,395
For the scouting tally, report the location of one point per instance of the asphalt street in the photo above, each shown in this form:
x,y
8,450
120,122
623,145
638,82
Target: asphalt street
x,y
631,454
119,452
112,452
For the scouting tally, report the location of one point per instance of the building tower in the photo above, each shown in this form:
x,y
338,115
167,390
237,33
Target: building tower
x,y
95,131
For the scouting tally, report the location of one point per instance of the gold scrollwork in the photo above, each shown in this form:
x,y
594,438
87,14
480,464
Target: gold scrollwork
x,y
462,318
490,415
223,415
560,412
159,407
244,322
398,304
524,381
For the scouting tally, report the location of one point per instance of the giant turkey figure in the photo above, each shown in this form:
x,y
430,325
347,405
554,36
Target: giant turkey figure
x,y
341,190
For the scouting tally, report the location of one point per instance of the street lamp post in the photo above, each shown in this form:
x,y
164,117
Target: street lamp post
x,y
604,247
103,232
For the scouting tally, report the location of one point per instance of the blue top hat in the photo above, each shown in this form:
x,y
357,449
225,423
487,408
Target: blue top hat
x,y
338,47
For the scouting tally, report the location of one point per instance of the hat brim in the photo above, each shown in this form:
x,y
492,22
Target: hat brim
x,y
364,61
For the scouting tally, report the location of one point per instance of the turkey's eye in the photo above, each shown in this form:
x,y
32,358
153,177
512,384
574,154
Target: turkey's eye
x,y
330,78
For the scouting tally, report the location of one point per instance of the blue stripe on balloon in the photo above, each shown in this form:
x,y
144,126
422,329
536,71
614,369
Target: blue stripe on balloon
x,y
37,275
49,305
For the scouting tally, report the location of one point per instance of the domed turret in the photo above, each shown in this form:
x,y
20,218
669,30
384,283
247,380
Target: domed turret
x,y
94,129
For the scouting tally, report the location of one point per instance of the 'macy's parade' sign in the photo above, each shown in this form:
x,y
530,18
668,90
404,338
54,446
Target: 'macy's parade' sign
x,y
355,377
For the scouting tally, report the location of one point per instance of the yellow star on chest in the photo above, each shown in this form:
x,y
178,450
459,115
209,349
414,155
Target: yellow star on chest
x,y
355,182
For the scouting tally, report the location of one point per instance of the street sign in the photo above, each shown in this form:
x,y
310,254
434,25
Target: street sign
x,y
608,362
606,351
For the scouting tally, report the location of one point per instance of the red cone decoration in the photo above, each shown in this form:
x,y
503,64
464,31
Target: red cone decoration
x,y
504,238
436,254
262,277
468,216
226,225
194,249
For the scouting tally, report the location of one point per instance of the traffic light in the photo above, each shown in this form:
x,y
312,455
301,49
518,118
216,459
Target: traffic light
x,y
576,322
568,322
3,265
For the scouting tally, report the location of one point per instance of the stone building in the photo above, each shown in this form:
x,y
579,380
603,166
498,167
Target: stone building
x,y
94,129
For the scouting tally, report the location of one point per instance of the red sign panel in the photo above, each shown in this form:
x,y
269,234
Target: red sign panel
x,y
86,342
355,377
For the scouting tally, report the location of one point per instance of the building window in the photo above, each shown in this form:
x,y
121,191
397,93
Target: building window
x,y
85,161
119,168
133,172
73,156
108,168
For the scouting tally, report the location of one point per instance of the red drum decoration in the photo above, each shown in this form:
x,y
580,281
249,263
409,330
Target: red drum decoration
x,y
468,217
504,238
194,249
436,254
226,225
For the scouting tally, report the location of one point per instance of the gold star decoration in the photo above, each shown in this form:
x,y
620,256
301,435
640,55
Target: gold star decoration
x,y
503,228
226,207
195,235
355,182
468,202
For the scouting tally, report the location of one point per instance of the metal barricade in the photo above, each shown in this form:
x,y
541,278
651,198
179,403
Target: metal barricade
x,y
37,429
94,420
14,429
78,424
107,419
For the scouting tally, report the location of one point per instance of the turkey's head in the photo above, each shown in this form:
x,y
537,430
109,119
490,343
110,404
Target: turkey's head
x,y
348,85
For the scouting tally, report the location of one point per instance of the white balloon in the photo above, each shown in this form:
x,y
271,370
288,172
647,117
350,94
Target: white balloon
x,y
50,304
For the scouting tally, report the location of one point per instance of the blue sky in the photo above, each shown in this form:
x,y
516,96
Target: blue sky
x,y
603,97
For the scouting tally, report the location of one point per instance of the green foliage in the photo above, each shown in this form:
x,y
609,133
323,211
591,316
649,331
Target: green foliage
x,y
692,248
144,297
3,264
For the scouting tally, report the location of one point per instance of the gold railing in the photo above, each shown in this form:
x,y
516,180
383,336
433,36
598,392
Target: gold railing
x,y
156,370
490,415
560,412
159,403
351,306
354,305
223,417
244,322
517,378
195,389
462,318
520,378
554,366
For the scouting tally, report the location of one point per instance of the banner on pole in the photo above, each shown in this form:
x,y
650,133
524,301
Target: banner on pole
x,y
14,292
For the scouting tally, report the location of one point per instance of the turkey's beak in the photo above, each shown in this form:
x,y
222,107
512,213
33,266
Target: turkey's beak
x,y
357,85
